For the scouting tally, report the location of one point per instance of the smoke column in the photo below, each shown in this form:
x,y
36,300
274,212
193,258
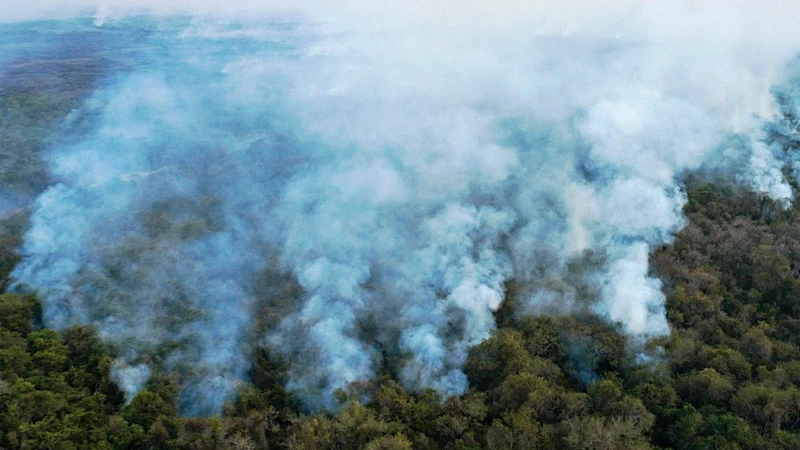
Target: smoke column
x,y
402,172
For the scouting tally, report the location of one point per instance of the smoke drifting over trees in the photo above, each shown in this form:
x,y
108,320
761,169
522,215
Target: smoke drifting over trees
x,y
397,181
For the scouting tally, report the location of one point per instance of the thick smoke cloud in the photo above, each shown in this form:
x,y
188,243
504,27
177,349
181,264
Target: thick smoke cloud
x,y
401,174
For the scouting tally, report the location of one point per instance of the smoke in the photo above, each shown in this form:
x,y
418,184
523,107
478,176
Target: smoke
x,y
131,379
402,171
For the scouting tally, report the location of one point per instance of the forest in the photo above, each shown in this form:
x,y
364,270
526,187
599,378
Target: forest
x,y
729,375
725,376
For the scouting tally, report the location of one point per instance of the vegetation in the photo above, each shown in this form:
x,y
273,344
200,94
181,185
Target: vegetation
x,y
34,95
728,376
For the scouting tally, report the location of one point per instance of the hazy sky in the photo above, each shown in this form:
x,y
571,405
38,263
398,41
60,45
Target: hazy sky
x,y
770,20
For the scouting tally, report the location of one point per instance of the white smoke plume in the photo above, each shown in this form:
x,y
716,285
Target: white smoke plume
x,y
132,379
402,164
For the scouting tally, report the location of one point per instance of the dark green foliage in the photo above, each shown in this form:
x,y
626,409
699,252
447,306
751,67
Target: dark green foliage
x,y
55,391
727,377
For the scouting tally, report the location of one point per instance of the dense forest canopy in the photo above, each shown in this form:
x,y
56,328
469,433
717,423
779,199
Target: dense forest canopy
x,y
728,376
224,234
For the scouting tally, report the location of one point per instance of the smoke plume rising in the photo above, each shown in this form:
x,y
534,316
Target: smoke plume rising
x,y
401,171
